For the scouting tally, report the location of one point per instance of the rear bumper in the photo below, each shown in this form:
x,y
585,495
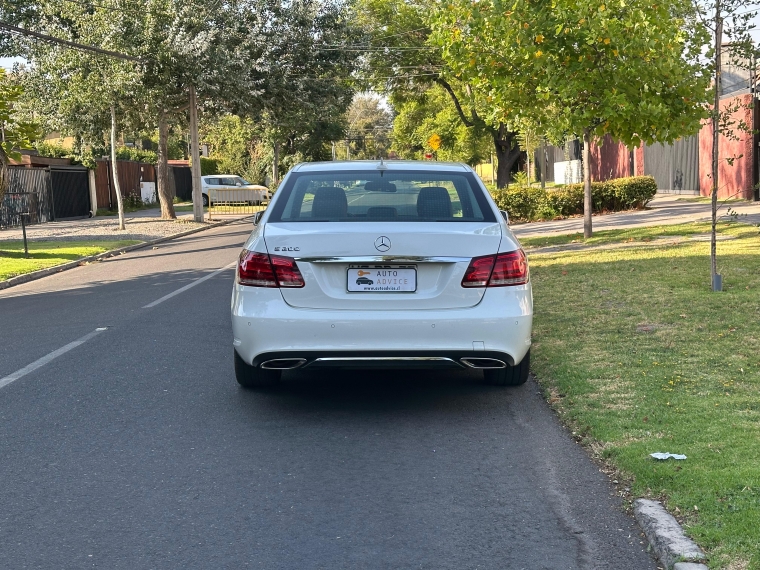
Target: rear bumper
x,y
266,328
421,359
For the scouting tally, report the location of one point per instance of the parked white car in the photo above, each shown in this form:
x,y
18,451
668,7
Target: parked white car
x,y
228,188
372,264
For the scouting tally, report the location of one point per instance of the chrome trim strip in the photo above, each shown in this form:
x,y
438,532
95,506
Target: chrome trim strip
x,y
466,362
377,358
272,364
384,259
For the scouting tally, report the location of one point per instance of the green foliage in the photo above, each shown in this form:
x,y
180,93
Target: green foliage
x,y
368,128
211,166
136,155
432,113
530,203
231,140
16,134
79,155
628,69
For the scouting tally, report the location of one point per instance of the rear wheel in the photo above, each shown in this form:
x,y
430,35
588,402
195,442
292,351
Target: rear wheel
x,y
205,200
250,377
509,376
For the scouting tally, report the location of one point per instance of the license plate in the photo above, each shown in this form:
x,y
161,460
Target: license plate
x,y
382,279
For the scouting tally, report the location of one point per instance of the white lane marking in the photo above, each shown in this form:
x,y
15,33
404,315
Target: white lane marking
x,y
48,357
189,286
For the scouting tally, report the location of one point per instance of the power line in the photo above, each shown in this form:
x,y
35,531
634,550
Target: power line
x,y
67,43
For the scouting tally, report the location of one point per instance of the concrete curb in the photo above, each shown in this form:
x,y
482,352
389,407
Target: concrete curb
x,y
667,538
34,275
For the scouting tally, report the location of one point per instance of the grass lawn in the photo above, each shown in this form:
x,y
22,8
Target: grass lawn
x,y
44,254
643,235
638,355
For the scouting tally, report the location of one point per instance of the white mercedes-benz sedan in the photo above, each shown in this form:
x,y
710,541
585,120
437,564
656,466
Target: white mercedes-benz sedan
x,y
368,264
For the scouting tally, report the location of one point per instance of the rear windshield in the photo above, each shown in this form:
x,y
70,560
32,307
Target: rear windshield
x,y
388,197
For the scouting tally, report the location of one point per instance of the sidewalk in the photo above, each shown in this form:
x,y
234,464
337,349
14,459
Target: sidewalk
x,y
142,225
665,209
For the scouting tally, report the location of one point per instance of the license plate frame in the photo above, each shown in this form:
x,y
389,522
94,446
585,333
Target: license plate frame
x,y
383,278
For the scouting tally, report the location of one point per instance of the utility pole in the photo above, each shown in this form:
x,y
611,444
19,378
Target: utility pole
x,y
195,158
716,279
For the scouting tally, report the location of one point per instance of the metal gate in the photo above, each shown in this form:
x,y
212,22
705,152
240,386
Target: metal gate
x,y
675,166
71,192
183,183
29,193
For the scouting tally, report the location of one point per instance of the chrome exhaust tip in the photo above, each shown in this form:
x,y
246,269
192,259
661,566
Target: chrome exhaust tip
x,y
483,363
283,363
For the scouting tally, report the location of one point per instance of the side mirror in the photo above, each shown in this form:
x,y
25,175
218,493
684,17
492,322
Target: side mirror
x,y
257,217
505,215
238,184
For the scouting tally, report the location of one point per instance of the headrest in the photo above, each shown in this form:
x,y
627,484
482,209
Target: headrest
x,y
434,202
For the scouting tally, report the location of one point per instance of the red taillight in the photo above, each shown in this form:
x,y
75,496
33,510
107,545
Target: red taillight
x,y
287,272
497,270
261,270
478,272
510,269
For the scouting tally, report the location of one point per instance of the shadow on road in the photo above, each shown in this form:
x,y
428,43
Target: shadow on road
x,y
380,391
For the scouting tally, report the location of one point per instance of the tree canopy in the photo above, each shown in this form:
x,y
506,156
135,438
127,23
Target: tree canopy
x,y
627,68
14,133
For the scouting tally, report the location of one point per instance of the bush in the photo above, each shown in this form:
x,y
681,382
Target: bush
x,y
528,203
136,155
209,166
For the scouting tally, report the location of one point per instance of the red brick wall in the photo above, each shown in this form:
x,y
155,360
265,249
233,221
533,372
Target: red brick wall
x,y
733,181
610,160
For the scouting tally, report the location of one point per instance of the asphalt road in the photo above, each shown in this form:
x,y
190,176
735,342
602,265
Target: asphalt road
x,y
136,449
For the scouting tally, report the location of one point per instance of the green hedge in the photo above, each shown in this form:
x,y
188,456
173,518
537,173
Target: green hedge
x,y
531,203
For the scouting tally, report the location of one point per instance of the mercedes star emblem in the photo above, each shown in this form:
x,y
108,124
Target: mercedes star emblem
x,y
383,243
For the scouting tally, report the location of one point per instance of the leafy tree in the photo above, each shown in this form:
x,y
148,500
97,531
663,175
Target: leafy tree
x,y
369,125
628,69
400,59
732,20
231,142
302,75
14,134
87,94
431,114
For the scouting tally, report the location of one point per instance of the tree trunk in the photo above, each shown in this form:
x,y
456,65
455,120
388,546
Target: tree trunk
x,y
506,156
195,158
276,166
587,202
715,142
530,177
543,163
115,169
165,194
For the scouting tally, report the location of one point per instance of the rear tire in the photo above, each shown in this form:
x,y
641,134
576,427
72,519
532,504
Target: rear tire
x,y
250,377
205,201
509,376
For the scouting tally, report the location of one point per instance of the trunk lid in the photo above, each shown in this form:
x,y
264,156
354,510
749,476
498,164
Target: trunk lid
x,y
439,252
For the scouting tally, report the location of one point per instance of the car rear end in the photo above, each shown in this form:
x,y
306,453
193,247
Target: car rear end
x,y
379,265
